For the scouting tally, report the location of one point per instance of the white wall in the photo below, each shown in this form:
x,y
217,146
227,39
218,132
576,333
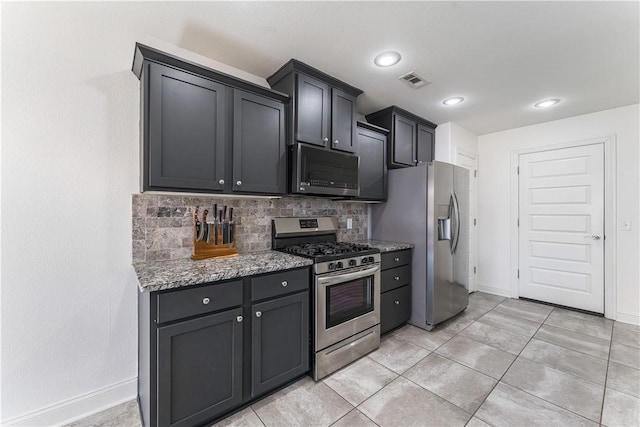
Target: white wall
x,y
494,203
449,138
69,166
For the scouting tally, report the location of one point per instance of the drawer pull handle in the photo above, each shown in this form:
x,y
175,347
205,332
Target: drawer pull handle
x,y
396,259
258,314
284,283
396,278
206,301
239,319
396,302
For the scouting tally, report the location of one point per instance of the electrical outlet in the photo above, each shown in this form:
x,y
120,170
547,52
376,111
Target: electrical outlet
x,y
626,224
349,224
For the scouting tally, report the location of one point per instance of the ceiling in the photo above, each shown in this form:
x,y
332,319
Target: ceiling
x,y
502,57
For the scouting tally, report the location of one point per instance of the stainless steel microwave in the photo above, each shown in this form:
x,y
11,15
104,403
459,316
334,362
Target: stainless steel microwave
x,y
320,171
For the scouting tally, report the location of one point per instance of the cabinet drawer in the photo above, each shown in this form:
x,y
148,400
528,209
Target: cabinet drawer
x,y
395,259
395,308
273,285
395,277
190,302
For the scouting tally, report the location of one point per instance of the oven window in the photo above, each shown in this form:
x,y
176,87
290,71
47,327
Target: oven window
x,y
348,300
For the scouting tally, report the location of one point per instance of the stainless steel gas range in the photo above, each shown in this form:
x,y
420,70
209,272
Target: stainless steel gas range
x,y
346,297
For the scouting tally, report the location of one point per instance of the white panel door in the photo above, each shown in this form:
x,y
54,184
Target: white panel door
x,y
470,162
561,232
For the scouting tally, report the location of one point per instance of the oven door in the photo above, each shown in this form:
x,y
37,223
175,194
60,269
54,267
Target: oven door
x,y
346,303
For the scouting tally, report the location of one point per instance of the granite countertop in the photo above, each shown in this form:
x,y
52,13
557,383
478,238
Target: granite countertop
x,y
159,275
386,246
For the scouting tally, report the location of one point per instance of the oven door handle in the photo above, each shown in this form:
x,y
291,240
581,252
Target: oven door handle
x,y
339,278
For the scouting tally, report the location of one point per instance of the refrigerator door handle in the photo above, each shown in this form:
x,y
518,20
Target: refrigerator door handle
x,y
456,209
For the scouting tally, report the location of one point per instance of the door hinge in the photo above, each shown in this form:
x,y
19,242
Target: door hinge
x,y
474,269
475,173
518,273
474,221
518,170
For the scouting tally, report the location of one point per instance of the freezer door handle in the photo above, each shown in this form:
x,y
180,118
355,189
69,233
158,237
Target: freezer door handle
x,y
456,212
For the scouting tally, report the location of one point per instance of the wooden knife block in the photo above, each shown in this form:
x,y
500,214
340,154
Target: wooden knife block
x,y
204,250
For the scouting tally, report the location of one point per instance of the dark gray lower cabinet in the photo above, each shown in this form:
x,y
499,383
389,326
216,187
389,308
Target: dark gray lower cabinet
x,y
199,368
280,341
395,298
206,350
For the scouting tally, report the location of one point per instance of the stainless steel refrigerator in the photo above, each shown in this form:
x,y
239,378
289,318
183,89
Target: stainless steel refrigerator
x,y
427,205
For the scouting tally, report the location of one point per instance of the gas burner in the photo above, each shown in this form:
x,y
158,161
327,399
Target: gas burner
x,y
321,249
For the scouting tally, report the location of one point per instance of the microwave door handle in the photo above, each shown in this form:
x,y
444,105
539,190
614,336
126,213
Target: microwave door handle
x,y
339,278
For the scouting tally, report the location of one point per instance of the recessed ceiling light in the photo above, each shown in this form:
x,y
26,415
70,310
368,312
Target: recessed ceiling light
x,y
453,101
387,59
546,103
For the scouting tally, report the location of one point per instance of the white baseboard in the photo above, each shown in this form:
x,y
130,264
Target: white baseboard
x,y
495,291
78,407
634,319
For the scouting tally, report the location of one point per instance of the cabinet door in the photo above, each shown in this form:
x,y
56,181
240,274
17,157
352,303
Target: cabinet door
x,y
259,151
186,130
395,308
312,111
199,368
404,138
373,168
343,121
280,341
425,144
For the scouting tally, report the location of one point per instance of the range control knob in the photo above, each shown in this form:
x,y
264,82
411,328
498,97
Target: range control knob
x,y
339,264
332,266
364,260
371,259
352,263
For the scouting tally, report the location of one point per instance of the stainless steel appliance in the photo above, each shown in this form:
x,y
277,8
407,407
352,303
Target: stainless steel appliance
x,y
427,205
317,170
346,297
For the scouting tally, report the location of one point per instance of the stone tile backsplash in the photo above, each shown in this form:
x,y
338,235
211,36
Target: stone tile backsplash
x,y
163,225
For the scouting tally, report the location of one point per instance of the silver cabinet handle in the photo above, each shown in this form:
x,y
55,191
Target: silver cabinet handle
x,y
336,142
325,139
206,301
238,183
396,259
258,314
396,278
396,302
415,160
284,283
593,237
221,182
239,319
420,162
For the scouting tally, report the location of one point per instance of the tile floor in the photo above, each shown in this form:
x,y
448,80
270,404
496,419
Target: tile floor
x,y
503,362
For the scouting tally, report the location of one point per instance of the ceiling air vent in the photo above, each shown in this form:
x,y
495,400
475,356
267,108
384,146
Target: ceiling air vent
x,y
414,80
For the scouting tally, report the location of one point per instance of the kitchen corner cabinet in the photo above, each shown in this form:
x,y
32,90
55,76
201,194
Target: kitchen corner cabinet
x,y
206,350
411,140
323,109
395,289
372,146
205,131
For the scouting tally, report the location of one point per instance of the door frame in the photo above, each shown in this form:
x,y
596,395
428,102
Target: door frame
x,y
610,232
475,228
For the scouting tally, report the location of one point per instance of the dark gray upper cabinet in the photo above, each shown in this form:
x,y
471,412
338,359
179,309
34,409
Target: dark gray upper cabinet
x,y
425,144
259,149
372,146
411,141
312,112
199,368
323,108
195,136
186,130
280,341
343,131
